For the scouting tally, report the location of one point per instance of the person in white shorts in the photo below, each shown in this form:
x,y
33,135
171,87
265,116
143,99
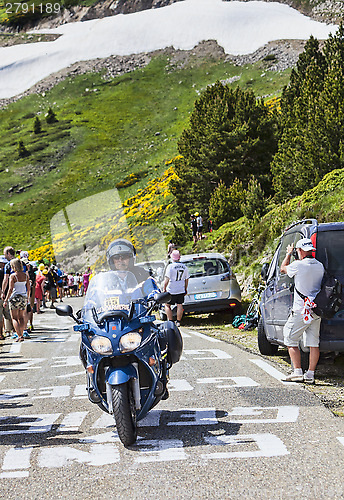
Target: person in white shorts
x,y
176,283
308,274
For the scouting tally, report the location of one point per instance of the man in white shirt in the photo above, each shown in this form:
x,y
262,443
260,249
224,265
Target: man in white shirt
x,y
308,274
176,283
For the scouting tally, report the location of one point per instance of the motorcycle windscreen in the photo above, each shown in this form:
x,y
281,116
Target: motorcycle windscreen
x,y
113,292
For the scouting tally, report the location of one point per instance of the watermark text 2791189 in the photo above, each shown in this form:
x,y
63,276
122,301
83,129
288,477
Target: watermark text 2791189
x,y
34,8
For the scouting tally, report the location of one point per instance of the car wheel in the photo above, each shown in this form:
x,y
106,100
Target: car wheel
x,y
265,347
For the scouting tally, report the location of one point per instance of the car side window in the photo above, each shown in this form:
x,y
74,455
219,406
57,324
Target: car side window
x,y
289,239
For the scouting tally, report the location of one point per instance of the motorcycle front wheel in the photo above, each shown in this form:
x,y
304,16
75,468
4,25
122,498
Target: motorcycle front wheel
x,y
124,412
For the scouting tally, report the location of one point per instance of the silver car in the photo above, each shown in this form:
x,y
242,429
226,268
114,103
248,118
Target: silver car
x,y
212,284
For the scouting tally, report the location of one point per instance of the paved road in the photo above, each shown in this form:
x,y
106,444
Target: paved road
x,y
230,429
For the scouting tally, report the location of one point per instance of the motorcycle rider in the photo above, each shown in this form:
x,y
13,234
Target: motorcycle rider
x,y
121,255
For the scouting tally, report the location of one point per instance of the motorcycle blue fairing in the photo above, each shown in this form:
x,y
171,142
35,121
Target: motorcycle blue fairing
x,y
120,374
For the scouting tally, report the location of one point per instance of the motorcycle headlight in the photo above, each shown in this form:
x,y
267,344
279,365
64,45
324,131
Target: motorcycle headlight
x,y
101,345
130,341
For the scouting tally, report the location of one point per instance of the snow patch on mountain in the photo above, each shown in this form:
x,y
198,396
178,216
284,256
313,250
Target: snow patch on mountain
x,y
239,27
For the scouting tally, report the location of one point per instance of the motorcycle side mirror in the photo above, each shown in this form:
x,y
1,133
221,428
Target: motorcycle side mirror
x,y
264,271
162,298
65,310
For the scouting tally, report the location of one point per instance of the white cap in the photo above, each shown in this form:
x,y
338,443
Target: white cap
x,y
305,244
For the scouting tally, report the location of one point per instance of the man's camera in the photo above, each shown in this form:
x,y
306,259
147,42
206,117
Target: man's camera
x,y
294,254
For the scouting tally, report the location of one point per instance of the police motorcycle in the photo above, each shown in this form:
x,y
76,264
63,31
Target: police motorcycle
x,y
127,356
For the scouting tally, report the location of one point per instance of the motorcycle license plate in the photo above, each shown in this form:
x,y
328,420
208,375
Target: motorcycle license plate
x,y
207,295
111,303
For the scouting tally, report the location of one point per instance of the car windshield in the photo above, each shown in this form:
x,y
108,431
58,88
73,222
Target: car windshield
x,y
113,292
330,251
204,266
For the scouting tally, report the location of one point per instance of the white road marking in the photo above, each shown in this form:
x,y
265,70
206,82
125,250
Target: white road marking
x,y
216,354
27,424
14,394
269,445
80,391
68,375
57,391
60,456
272,371
27,364
160,451
72,421
179,385
2,377
204,337
341,440
15,474
74,337
106,437
44,338
64,361
15,348
17,458
184,334
283,414
104,422
152,419
194,416
220,382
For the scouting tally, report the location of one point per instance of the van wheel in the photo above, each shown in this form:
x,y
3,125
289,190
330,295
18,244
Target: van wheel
x,y
265,347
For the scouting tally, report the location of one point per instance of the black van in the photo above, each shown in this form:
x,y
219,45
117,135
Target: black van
x,y
276,300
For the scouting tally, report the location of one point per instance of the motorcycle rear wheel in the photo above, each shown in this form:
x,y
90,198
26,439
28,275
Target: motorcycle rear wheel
x,y
124,413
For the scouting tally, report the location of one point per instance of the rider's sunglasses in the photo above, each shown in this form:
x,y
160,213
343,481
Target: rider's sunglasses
x,y
121,257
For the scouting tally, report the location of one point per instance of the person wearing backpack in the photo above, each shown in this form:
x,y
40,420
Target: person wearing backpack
x,y
308,273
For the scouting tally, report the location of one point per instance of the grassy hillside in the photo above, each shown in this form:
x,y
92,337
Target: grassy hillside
x,y
105,132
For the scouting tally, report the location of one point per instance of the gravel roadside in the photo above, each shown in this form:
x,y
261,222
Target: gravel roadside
x,y
329,376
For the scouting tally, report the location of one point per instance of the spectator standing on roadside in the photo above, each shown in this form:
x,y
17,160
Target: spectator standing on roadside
x,y
3,261
199,221
70,279
9,254
39,287
308,273
193,226
17,296
59,282
75,284
176,283
170,247
52,279
32,278
86,279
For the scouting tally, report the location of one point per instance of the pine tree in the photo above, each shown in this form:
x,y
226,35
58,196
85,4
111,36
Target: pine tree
x,y
50,117
312,120
254,205
225,203
37,127
231,135
22,151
